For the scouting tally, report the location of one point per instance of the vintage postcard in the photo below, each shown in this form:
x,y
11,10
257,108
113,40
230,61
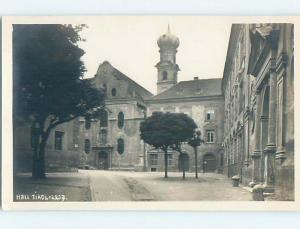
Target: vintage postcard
x,y
150,113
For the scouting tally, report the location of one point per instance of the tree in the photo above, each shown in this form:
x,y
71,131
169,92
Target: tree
x,y
167,130
48,82
196,141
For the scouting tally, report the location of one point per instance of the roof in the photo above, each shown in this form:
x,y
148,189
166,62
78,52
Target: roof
x,y
133,85
192,88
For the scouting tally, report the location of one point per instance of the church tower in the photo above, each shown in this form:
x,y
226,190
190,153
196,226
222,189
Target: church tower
x,y
167,68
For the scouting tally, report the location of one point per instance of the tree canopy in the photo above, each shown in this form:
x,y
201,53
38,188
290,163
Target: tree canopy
x,y
48,81
48,73
167,130
163,130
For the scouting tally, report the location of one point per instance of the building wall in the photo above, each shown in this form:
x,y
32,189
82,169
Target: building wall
x,y
266,122
196,109
64,159
127,101
238,124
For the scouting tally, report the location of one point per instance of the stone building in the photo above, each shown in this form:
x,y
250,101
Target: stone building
x,y
113,141
258,86
127,104
62,149
201,99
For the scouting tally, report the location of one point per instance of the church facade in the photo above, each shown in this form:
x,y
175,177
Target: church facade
x,y
113,142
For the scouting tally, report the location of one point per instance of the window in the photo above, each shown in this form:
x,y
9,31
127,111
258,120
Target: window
x,y
103,137
120,147
87,123
210,115
114,92
165,75
153,159
120,120
104,86
241,98
58,142
210,136
103,118
87,146
170,158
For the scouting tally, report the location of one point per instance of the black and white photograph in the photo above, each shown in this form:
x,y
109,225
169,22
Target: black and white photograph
x,y
150,110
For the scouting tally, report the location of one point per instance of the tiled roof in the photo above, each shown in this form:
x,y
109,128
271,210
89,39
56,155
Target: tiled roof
x,y
192,88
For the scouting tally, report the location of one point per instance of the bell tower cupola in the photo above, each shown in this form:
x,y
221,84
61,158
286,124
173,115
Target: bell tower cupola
x,y
167,68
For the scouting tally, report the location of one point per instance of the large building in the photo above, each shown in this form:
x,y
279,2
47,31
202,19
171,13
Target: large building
x,y
127,104
259,107
113,141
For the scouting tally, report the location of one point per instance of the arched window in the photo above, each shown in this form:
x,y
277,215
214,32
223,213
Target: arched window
x,y
87,146
114,92
120,119
165,75
103,118
120,147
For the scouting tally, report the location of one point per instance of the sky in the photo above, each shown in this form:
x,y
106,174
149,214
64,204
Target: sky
x,y
130,45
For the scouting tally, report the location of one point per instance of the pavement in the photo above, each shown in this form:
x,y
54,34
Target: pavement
x,y
99,185
147,186
56,187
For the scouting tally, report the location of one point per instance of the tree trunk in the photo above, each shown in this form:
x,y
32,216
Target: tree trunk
x,y
196,162
182,164
39,141
166,163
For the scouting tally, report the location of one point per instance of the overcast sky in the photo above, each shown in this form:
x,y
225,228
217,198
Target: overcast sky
x,y
130,45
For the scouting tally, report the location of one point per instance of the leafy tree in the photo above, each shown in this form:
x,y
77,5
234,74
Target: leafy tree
x,y
167,130
48,82
196,141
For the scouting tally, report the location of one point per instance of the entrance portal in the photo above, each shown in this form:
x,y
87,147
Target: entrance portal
x,y
209,163
103,160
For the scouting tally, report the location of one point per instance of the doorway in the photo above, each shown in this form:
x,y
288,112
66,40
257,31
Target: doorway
x,y
209,163
103,160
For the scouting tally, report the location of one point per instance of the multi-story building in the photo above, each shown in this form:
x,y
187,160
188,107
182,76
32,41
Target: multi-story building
x,y
113,141
127,104
201,99
259,107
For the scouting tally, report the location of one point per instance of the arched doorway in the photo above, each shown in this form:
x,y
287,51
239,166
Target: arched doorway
x,y
103,160
209,163
184,162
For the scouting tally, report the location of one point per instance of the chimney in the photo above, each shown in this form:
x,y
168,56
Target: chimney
x,y
196,78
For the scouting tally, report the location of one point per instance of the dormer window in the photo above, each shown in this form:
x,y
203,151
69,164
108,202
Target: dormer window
x,y
165,75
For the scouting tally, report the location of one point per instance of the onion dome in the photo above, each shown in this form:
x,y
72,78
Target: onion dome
x,y
168,40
